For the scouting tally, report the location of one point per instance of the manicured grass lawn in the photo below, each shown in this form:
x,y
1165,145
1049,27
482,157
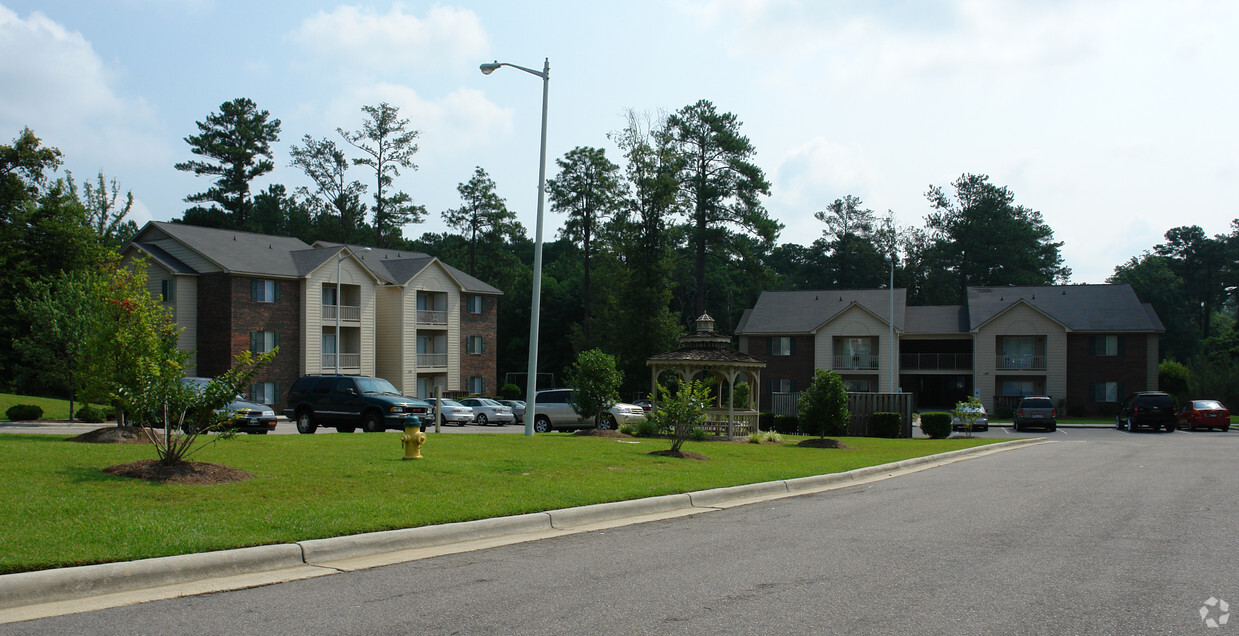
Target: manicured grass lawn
x,y
60,509
53,409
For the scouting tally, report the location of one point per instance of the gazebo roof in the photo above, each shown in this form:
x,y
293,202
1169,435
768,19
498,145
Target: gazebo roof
x,y
705,347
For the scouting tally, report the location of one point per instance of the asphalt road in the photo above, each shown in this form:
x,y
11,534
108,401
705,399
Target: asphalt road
x,y
1100,532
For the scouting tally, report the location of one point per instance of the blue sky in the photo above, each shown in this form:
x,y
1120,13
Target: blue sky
x,y
1115,119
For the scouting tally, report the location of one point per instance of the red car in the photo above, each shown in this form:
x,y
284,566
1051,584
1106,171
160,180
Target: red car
x,y
1204,414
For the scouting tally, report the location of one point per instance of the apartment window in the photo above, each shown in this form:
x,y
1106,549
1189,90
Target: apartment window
x,y
476,385
265,291
265,392
1105,391
264,341
783,386
779,346
475,344
474,304
858,385
1106,345
166,289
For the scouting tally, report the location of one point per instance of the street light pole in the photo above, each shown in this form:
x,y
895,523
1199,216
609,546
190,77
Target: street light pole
x,y
344,252
531,382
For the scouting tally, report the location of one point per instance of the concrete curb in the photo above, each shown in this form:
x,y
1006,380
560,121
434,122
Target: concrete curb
x,y
45,586
63,584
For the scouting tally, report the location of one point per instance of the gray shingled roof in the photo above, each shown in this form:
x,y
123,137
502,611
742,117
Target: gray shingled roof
x,y
1076,307
167,260
237,252
802,312
936,319
399,267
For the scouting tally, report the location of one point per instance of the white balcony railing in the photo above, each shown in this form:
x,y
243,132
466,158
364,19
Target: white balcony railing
x,y
348,313
432,359
431,317
1020,362
855,362
347,361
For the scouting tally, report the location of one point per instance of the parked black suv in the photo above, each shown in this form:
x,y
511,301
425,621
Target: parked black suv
x,y
1035,410
349,402
1152,409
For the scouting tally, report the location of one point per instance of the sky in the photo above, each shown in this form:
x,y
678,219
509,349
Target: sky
x,y
1116,119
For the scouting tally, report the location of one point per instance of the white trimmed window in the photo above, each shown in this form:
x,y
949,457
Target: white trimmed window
x,y
476,385
1105,345
780,346
264,341
265,291
1105,391
265,392
166,290
475,344
474,304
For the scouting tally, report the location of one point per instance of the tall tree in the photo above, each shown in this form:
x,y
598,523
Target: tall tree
x,y
720,185
588,189
483,214
236,145
103,214
854,239
334,199
1156,282
388,145
989,240
1201,262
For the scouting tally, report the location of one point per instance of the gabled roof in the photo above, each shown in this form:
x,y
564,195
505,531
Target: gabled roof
x,y
1078,308
804,312
398,267
157,254
233,251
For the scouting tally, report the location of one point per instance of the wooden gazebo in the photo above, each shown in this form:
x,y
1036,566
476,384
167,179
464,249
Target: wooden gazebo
x,y
706,351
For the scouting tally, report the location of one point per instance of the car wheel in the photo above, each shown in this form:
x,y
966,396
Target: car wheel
x,y
482,419
1225,428
1015,426
1052,428
542,425
305,423
345,429
374,423
1170,428
607,423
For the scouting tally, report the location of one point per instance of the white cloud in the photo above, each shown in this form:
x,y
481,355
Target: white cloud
x,y
463,118
396,40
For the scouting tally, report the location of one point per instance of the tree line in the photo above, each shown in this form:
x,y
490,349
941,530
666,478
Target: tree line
x,y
672,227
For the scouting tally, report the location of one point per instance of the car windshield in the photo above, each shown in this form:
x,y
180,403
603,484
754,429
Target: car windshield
x,y
376,385
1202,405
448,402
488,402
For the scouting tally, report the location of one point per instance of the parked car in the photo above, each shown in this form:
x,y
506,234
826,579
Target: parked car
x,y
622,413
645,405
348,402
486,410
553,410
518,409
456,413
1150,409
1208,414
246,417
979,423
1035,410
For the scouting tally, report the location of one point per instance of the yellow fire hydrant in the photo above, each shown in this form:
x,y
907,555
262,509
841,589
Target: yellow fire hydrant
x,y
413,439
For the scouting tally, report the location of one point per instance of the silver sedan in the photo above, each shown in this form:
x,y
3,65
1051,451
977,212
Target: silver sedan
x,y
486,410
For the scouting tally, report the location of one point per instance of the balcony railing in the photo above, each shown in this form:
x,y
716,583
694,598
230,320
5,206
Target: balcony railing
x,y
348,313
431,317
432,359
347,361
867,362
935,361
1020,363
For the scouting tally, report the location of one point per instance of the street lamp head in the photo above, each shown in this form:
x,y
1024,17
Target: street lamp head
x,y
487,69
363,250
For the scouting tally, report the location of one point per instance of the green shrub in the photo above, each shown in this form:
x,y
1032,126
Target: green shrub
x,y
698,434
823,407
648,428
786,424
888,425
24,413
937,424
510,391
758,437
90,414
765,421
628,429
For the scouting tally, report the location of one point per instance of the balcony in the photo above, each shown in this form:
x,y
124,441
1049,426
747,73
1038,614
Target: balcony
x,y
432,360
866,362
431,317
347,361
1020,363
935,361
348,313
